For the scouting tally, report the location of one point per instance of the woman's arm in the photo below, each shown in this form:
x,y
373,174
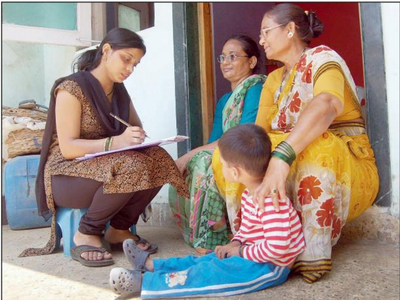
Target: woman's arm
x,y
216,133
313,122
217,130
182,161
134,119
68,124
251,102
267,98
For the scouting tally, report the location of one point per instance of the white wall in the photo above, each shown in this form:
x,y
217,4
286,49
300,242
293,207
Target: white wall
x,y
390,28
22,73
30,70
57,62
152,85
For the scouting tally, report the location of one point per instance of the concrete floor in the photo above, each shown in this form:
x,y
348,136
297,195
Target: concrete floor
x,y
362,270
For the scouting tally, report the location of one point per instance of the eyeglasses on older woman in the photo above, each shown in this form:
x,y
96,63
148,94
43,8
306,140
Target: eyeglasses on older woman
x,y
229,58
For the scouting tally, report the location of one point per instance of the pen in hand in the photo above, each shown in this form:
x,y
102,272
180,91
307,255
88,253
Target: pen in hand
x,y
122,121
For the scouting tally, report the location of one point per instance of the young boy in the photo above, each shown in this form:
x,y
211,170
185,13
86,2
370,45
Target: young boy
x,y
260,254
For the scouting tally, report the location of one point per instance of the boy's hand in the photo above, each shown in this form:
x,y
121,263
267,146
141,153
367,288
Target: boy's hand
x,y
229,250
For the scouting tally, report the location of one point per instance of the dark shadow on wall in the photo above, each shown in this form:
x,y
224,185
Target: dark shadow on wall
x,y
235,18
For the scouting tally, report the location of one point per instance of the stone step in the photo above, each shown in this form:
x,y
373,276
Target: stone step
x,y
375,223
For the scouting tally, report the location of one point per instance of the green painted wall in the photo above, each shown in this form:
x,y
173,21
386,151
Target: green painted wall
x,y
62,16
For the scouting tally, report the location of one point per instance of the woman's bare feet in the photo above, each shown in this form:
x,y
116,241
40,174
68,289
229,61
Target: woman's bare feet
x,y
91,240
115,236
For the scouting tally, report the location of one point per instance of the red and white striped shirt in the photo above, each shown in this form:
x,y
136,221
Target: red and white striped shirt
x,y
271,236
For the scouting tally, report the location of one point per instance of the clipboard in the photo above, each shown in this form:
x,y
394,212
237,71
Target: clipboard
x,y
162,142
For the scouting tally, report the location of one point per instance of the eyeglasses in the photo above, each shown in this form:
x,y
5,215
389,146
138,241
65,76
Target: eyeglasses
x,y
264,31
228,58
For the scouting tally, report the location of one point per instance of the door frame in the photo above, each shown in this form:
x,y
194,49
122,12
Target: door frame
x,y
374,77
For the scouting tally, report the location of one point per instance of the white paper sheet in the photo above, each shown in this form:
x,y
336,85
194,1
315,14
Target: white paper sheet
x,y
170,140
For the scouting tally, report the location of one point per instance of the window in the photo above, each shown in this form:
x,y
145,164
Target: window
x,y
51,23
39,43
133,16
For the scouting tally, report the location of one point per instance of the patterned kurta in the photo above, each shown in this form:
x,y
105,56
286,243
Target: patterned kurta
x,y
121,172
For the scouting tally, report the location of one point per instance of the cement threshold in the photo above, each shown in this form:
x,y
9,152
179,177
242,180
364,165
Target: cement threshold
x,y
362,270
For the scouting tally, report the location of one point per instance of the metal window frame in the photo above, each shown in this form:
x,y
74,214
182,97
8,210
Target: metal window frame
x,y
146,10
78,38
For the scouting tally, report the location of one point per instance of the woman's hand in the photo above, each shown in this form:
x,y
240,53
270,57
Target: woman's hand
x,y
133,135
273,184
182,161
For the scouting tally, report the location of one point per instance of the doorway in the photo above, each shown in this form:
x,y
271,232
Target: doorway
x,y
354,30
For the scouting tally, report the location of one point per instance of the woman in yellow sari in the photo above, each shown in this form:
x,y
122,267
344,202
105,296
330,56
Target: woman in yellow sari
x,y
322,160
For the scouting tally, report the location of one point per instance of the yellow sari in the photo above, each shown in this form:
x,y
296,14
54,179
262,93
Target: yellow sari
x,y
334,179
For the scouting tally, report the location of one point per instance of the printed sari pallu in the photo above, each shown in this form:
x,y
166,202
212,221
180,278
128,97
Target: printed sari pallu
x,y
334,179
202,218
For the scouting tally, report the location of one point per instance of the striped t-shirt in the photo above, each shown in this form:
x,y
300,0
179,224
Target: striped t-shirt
x,y
275,237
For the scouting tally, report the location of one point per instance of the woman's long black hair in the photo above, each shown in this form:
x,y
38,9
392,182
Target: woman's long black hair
x,y
118,38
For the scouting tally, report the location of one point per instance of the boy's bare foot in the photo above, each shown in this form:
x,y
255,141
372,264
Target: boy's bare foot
x,y
149,265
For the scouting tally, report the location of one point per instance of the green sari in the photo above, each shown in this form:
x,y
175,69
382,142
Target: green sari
x,y
203,218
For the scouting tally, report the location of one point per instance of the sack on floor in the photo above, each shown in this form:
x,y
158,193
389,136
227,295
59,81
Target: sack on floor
x,y
23,131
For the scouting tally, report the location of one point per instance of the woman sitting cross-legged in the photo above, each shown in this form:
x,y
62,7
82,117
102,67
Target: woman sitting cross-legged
x,y
203,217
322,157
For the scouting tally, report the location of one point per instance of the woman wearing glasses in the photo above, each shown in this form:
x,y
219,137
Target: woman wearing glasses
x,y
203,217
322,159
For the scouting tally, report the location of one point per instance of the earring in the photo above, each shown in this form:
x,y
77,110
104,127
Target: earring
x,y
290,34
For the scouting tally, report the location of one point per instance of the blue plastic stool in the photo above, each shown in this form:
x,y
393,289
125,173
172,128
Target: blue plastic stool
x,y
67,224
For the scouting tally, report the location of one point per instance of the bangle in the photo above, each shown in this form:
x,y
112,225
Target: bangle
x,y
110,145
285,152
282,156
107,144
285,146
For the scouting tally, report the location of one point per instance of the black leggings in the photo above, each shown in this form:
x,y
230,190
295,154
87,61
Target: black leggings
x,y
122,210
